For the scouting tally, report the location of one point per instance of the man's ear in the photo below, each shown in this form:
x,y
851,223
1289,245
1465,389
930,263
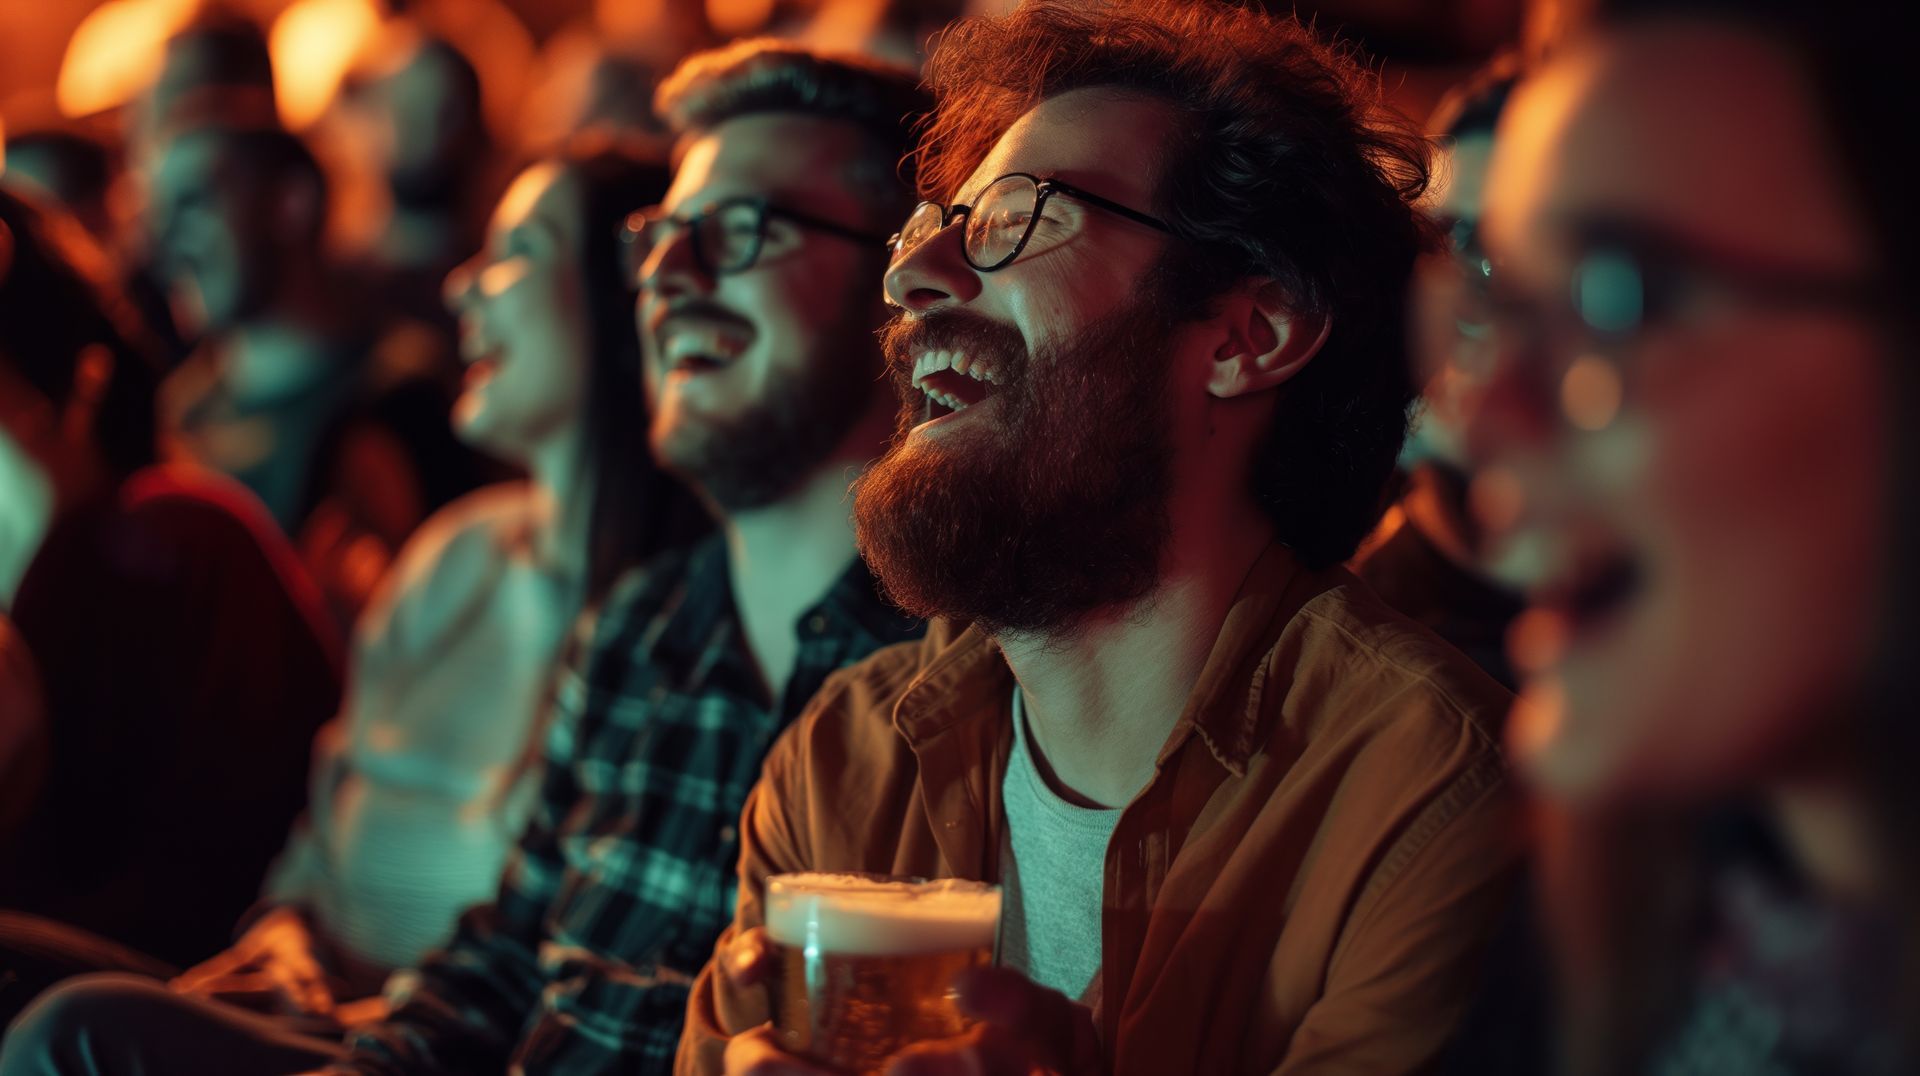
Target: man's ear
x,y
1266,341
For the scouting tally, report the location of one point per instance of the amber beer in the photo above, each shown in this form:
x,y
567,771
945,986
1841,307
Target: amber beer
x,y
866,963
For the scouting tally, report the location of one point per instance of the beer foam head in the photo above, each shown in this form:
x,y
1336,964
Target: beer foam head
x,y
858,915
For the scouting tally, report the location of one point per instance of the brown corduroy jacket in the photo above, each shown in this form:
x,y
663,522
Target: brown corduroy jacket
x,y
1305,885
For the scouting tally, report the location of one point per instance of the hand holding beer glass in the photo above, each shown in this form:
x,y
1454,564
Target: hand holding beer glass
x,y
865,965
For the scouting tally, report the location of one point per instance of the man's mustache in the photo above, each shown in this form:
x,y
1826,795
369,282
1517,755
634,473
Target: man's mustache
x,y
908,336
698,311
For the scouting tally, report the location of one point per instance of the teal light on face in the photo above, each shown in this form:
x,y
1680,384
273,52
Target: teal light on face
x,y
1609,292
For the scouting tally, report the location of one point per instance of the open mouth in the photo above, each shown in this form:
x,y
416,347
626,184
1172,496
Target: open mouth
x,y
479,371
479,357
954,381
696,345
1597,592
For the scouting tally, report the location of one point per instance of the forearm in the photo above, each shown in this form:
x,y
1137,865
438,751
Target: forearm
x,y
461,1012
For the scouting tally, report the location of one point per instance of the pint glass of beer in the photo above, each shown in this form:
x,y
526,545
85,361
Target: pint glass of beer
x,y
867,963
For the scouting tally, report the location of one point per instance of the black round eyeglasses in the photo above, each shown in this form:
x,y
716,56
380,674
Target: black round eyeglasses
x,y
1002,220
727,236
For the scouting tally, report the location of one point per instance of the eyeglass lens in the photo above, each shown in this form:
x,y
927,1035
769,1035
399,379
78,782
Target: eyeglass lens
x,y
995,224
726,238
999,220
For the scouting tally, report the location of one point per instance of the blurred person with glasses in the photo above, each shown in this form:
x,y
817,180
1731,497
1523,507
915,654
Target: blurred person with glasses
x,y
1697,360
1426,558
1151,352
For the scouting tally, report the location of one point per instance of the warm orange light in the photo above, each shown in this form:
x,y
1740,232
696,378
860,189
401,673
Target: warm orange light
x,y
1537,640
1536,718
1496,498
731,18
845,25
1590,393
313,44
116,53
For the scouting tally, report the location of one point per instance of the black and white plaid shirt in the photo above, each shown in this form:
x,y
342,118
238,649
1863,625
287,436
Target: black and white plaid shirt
x,y
624,877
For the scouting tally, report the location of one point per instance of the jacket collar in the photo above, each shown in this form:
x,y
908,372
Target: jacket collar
x,y
965,679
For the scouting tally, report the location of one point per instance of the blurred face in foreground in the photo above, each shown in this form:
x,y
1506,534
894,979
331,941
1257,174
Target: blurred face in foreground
x,y
1681,415
523,309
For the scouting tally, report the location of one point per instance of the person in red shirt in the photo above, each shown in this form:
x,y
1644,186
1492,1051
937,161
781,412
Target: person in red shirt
x,y
183,654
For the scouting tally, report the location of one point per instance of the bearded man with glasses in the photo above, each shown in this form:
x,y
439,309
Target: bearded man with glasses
x,y
757,311
1151,346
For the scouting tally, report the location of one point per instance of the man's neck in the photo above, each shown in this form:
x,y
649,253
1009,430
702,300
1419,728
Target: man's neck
x,y
1102,698
782,560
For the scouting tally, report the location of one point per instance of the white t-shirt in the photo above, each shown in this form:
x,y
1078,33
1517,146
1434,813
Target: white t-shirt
x,y
1053,875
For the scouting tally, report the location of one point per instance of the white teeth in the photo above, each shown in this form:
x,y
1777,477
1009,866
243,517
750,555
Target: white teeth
x,y
932,362
936,361
700,341
947,400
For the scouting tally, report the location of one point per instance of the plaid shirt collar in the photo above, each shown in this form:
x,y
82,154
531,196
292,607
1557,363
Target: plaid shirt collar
x,y
854,612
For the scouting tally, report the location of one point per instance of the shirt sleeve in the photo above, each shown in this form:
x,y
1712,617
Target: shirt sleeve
x,y
770,843
381,643
296,875
1410,962
463,1010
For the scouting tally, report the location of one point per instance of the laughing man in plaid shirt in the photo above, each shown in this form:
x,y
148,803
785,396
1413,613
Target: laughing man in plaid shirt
x,y
759,300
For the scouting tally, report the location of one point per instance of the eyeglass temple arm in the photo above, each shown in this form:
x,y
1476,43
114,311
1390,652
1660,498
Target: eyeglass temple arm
x,y
1110,206
824,225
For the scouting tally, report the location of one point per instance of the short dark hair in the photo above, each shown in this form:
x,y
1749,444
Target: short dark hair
x,y
763,75
219,59
229,48
1284,165
58,298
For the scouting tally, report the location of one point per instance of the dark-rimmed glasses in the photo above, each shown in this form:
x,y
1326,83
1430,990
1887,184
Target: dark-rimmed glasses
x,y
728,235
1002,220
1623,280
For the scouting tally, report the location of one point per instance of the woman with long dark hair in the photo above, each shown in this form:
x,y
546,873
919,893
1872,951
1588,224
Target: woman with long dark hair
x,y
1701,360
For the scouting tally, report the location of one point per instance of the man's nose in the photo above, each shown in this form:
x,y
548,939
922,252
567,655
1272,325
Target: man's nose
x,y
933,275
458,286
672,270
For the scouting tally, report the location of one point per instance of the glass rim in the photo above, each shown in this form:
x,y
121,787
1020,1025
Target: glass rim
x,y
870,882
